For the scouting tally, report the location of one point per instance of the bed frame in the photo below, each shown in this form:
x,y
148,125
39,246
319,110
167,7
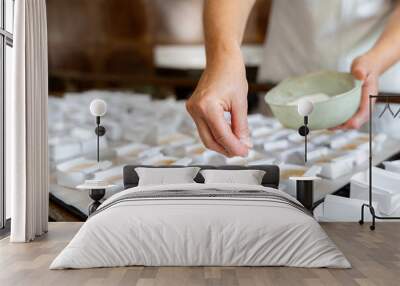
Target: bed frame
x,y
131,179
270,179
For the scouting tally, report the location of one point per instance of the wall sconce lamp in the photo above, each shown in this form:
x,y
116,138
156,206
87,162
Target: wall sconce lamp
x,y
97,188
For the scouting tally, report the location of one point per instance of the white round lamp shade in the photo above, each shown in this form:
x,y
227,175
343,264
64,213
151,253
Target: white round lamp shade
x,y
305,107
98,107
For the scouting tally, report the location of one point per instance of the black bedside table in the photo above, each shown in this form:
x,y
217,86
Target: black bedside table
x,y
305,190
97,190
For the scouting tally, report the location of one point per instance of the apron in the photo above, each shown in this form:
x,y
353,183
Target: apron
x,y
309,35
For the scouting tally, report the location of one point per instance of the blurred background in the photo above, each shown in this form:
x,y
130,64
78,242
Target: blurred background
x,y
143,57
155,46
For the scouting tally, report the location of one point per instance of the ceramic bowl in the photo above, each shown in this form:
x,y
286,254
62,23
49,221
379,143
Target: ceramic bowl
x,y
336,97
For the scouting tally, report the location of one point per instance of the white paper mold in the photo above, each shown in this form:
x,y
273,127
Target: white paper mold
x,y
335,164
107,154
134,150
145,134
261,131
114,129
321,139
183,162
159,160
385,189
76,171
335,208
175,139
113,176
195,149
90,145
392,166
276,145
62,148
343,138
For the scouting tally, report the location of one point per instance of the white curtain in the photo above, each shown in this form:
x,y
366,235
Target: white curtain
x,y
26,124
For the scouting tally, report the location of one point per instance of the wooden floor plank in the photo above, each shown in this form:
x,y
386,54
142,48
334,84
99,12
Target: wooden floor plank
x,y
375,257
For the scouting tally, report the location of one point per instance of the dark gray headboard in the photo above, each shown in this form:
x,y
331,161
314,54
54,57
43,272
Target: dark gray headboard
x,y
270,179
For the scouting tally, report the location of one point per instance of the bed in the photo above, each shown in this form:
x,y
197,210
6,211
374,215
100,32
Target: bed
x,y
198,224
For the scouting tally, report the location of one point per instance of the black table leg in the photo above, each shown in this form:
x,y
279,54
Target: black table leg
x,y
304,193
96,195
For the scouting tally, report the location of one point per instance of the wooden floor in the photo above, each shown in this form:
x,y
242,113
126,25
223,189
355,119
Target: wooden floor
x,y
375,257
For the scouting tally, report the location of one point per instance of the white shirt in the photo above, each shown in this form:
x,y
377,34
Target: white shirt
x,y
309,35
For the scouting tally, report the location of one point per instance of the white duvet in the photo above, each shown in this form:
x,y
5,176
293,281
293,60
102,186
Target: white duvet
x,y
188,231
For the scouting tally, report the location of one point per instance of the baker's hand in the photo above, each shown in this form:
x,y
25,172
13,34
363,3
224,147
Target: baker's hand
x,y
222,88
363,68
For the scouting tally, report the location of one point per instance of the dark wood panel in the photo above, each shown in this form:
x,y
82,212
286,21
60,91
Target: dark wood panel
x,y
118,36
99,36
134,81
180,21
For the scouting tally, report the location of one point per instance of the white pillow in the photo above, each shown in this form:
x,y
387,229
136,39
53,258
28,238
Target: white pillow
x,y
165,176
248,177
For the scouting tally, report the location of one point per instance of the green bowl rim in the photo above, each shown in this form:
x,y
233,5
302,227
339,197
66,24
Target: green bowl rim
x,y
357,84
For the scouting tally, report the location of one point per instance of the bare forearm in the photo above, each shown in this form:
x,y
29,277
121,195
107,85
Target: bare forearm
x,y
223,85
224,25
386,51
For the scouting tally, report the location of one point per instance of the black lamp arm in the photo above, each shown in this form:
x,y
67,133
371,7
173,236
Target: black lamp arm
x,y
100,131
303,131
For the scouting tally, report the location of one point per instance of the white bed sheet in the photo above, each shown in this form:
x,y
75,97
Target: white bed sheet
x,y
200,231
